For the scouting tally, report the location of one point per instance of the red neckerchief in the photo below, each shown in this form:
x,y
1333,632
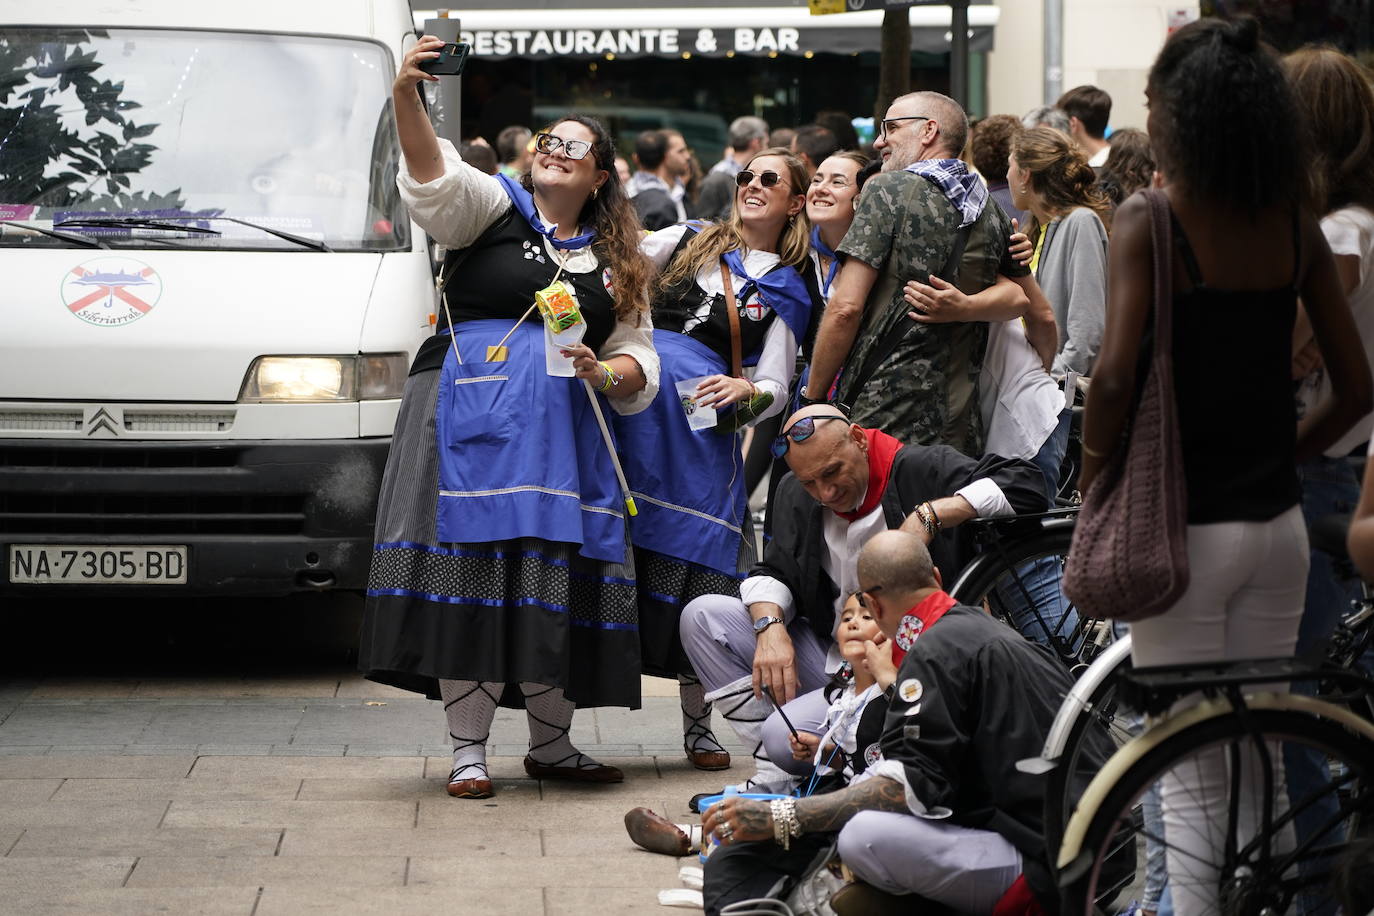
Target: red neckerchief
x,y
882,451
917,620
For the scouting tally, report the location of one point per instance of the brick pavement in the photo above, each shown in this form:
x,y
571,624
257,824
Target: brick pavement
x,y
323,793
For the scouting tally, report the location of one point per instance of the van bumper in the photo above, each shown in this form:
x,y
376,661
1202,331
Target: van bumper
x,y
255,517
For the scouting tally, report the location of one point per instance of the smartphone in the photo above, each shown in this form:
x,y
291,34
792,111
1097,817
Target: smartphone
x,y
453,56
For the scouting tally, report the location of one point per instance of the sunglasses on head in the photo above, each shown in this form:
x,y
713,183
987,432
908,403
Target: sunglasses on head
x,y
573,149
800,431
767,179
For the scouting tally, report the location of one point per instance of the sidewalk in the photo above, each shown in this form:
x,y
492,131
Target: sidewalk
x,y
322,794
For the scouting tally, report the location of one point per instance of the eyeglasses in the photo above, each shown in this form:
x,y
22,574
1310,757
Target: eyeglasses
x,y
884,129
871,591
767,179
573,149
800,431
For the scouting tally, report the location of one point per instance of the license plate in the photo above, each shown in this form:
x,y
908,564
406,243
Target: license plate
x,y
97,564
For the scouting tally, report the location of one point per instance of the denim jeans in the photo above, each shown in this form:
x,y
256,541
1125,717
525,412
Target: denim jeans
x,y
1050,458
1329,487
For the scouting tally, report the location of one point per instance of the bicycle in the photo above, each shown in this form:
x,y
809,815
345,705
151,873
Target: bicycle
x,y
1253,870
1018,575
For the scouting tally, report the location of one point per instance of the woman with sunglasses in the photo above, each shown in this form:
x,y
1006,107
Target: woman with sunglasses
x,y
502,571
736,287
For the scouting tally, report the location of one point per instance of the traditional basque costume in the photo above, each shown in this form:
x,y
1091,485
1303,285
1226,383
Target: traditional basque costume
x,y
691,536
502,553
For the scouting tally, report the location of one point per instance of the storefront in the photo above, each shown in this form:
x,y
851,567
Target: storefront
x,y
695,66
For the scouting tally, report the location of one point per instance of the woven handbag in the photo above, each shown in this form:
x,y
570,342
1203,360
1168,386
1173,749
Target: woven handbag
x,y
1129,555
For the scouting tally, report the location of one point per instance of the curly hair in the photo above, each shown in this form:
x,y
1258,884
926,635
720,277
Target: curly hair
x,y
1130,165
1059,173
617,227
992,140
1335,93
794,241
1222,109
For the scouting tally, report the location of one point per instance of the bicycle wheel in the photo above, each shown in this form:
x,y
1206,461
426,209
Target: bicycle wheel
x,y
1220,857
1090,714
1020,578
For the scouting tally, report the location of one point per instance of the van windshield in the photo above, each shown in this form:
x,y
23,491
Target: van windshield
x,y
279,132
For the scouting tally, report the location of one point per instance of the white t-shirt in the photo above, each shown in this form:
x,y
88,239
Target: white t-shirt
x,y
1349,231
1019,400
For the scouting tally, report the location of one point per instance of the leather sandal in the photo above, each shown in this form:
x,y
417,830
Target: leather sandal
x,y
599,772
709,760
471,788
651,831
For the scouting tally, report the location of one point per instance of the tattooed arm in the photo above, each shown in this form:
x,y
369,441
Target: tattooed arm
x,y
829,812
737,820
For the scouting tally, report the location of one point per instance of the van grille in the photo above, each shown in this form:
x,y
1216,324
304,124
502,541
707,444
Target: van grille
x,y
139,514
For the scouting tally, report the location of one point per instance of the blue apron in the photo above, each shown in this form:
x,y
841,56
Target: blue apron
x,y
520,451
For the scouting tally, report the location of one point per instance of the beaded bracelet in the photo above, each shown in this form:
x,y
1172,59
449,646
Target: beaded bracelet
x,y
612,378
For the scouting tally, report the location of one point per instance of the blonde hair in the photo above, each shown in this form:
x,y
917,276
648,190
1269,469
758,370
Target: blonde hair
x,y
793,245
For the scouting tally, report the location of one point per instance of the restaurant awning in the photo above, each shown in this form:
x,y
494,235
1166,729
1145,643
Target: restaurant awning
x,y
684,32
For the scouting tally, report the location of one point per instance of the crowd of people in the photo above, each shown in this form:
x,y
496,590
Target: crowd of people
x,y
893,336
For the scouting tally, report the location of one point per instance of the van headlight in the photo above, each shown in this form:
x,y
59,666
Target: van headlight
x,y
369,376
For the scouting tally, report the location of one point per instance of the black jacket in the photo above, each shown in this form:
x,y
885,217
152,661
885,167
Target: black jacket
x,y
987,698
919,473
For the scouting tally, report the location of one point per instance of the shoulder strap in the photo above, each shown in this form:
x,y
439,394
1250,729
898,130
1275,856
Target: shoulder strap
x,y
736,357
1161,231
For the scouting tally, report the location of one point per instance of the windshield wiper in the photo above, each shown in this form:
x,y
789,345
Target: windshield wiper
x,y
136,222
288,236
165,223
81,240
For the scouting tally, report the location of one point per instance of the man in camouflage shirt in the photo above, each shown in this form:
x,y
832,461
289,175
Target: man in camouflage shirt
x,y
908,224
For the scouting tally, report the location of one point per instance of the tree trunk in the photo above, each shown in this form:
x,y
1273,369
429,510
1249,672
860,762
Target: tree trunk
x,y
894,69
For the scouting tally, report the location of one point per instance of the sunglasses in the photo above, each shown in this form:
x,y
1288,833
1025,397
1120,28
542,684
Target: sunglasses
x,y
573,149
870,591
767,179
800,431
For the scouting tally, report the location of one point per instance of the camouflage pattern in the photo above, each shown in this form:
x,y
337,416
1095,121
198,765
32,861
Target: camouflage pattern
x,y
926,391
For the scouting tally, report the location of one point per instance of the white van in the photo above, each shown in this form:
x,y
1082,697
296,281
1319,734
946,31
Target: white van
x,y
210,292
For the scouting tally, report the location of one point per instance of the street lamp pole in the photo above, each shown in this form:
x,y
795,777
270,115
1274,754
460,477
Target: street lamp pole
x,y
1054,50
958,51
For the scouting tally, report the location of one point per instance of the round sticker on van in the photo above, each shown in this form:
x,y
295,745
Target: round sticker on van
x,y
111,291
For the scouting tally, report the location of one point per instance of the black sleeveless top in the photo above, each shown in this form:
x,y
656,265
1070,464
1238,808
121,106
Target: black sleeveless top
x,y
498,277
687,309
1236,411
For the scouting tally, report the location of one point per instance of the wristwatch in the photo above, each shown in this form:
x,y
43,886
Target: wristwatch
x,y
764,623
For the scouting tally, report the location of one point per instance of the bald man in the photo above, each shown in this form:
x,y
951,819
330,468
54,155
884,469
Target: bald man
x,y
945,814
846,484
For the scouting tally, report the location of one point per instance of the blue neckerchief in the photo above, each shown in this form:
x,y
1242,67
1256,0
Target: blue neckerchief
x,y
524,204
962,188
783,290
825,251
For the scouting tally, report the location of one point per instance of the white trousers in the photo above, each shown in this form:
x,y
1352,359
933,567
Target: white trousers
x,y
964,869
1244,600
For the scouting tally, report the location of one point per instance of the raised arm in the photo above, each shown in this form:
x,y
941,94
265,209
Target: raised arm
x,y
419,143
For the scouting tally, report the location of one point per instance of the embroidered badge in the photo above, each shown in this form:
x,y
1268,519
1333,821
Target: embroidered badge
x,y
111,291
907,631
873,755
910,690
606,281
757,310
